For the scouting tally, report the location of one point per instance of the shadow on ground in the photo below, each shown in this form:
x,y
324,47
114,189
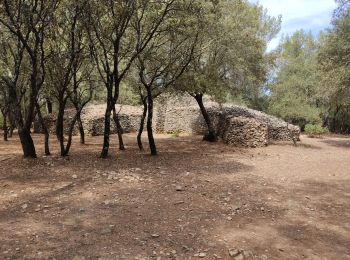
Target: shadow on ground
x,y
193,198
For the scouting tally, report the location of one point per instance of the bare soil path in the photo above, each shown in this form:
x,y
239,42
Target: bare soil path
x,y
195,200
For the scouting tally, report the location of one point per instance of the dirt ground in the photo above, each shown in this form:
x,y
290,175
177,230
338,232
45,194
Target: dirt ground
x,y
195,200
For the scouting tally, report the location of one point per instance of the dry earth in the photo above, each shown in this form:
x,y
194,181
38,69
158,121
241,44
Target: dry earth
x,y
195,200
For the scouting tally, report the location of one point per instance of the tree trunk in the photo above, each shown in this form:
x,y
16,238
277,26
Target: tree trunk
x,y
142,123
119,129
210,136
46,131
152,144
107,130
49,106
81,128
12,125
60,128
27,143
4,126
70,133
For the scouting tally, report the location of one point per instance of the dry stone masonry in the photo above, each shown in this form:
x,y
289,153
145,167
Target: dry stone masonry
x,y
245,132
236,125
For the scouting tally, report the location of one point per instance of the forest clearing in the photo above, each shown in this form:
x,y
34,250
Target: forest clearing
x,y
175,129
194,200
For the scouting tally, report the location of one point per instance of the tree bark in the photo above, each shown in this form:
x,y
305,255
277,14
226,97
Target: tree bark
x,y
70,133
81,128
49,106
27,143
152,144
107,130
4,126
210,136
12,125
60,127
142,123
46,131
119,129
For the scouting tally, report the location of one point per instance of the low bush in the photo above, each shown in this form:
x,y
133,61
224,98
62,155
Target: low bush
x,y
175,133
315,130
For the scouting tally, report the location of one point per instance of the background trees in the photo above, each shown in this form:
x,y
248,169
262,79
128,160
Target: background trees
x,y
312,78
230,55
294,90
23,25
164,60
119,31
63,54
334,65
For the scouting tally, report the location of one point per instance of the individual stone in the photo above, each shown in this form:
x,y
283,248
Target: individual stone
x,y
106,231
202,255
234,252
179,188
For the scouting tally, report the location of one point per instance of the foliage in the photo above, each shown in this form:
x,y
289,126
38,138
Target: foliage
x,y
294,90
315,130
230,56
334,66
128,95
312,78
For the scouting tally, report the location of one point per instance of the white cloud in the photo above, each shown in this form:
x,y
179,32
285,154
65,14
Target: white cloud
x,y
309,15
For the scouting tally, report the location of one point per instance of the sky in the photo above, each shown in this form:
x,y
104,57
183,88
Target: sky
x,y
310,15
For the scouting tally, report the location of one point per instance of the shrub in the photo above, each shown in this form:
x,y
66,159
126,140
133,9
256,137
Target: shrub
x,y
175,133
315,130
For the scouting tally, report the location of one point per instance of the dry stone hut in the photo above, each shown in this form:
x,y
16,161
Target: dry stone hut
x,y
237,125
245,132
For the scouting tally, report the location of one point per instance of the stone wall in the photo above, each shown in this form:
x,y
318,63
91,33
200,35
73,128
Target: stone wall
x,y
93,120
182,114
245,132
188,120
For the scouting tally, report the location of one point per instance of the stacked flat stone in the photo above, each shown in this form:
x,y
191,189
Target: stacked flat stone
x,y
179,114
245,132
188,120
278,129
93,120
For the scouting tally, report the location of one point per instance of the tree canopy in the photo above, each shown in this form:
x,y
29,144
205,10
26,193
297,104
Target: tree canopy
x,y
63,54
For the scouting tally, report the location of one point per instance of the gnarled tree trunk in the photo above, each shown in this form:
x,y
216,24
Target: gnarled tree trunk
x,y
211,135
27,143
119,129
4,125
107,130
152,144
11,126
46,131
60,126
142,123
81,128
